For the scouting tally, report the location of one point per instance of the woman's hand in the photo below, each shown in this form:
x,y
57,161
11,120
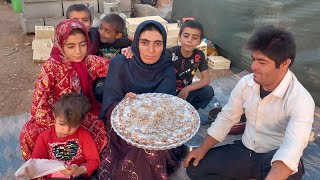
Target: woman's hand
x,y
127,52
130,95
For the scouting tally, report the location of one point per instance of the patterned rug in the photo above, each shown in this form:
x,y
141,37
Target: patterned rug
x,y
10,153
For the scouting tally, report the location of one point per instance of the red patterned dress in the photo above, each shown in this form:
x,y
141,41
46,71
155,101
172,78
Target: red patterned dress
x,y
57,77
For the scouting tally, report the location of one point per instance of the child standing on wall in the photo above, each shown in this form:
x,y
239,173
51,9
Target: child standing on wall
x,y
187,59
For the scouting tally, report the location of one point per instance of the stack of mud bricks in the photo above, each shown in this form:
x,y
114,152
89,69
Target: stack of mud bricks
x,y
51,12
218,62
171,28
40,13
43,42
125,6
132,23
172,34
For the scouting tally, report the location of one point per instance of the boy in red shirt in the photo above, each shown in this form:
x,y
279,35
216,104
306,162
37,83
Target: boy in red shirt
x,y
66,141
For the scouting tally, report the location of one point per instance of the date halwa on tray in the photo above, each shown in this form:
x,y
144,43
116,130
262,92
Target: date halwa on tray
x,y
155,121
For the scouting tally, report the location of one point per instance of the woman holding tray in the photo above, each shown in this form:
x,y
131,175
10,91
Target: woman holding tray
x,y
149,71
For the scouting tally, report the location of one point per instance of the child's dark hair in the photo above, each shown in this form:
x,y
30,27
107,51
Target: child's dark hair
x,y
116,21
276,43
192,24
73,108
78,7
77,31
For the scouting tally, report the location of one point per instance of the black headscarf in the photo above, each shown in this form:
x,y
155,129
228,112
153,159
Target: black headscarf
x,y
133,75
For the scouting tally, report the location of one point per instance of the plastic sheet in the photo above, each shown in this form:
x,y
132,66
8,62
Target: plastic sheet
x,y
35,168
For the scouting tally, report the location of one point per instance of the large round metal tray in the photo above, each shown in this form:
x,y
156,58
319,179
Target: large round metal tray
x,y
155,121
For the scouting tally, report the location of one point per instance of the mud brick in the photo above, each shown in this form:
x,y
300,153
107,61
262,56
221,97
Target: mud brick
x,y
53,21
172,40
218,62
132,23
44,32
157,18
173,29
127,13
42,9
111,7
170,45
28,26
125,5
41,49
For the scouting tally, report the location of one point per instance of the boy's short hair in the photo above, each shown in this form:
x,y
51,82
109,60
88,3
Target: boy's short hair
x,y
73,108
116,21
78,7
276,43
192,24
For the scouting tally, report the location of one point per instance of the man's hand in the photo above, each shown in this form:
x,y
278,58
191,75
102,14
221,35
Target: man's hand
x,y
130,95
127,52
197,154
183,94
279,171
200,152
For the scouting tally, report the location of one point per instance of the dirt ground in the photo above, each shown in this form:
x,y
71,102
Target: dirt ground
x,y
17,71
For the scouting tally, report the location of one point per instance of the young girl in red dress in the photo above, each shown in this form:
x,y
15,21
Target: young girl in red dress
x,y
69,69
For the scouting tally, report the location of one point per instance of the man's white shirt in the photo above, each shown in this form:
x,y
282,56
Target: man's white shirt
x,y
282,120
